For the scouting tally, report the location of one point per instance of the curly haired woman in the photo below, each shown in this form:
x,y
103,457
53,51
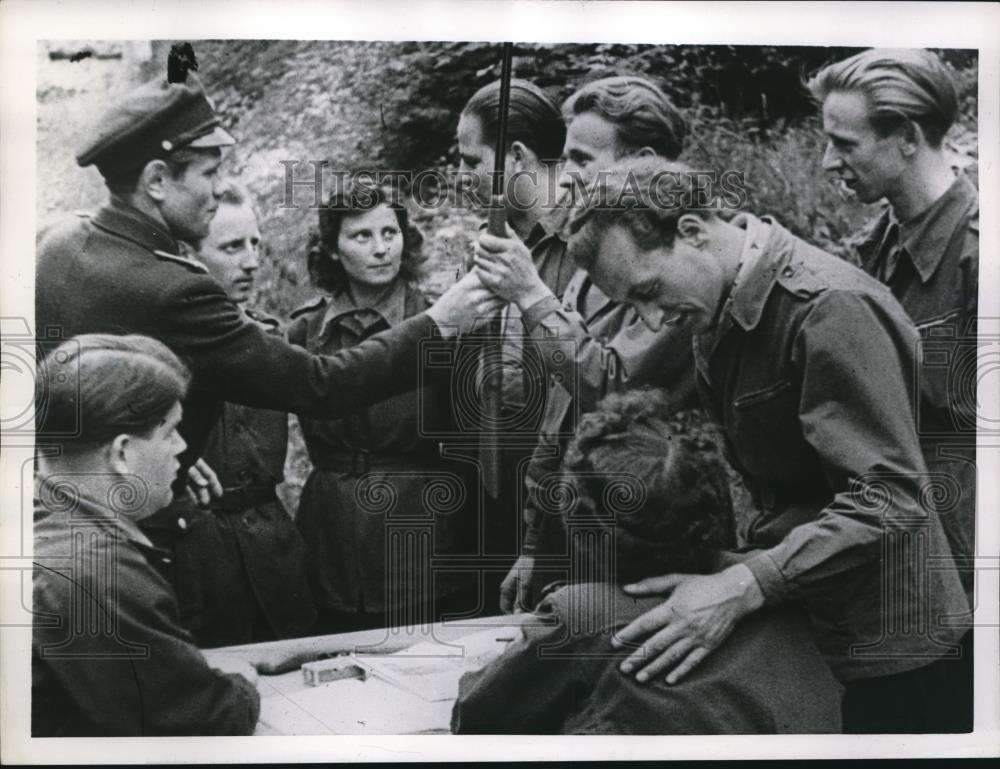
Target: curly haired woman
x,y
380,502
653,497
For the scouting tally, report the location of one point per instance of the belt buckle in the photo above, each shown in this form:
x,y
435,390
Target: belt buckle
x,y
359,463
233,498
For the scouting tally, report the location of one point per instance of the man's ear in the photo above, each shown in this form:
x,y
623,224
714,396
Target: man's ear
x,y
153,179
119,451
522,156
693,230
910,136
646,152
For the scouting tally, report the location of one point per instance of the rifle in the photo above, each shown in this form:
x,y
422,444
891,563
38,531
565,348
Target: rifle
x,y
491,369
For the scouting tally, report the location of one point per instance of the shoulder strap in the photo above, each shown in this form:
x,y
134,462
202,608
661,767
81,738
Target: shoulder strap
x,y
316,304
191,264
269,322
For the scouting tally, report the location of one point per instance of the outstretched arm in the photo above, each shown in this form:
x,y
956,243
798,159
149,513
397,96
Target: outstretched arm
x,y
238,361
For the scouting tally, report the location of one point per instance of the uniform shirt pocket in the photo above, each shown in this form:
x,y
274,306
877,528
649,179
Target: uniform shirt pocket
x,y
765,432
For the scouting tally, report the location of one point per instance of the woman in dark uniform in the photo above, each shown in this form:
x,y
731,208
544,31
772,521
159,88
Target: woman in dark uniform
x,y
381,503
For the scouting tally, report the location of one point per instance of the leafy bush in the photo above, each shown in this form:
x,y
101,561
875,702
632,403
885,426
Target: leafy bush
x,y
395,106
429,83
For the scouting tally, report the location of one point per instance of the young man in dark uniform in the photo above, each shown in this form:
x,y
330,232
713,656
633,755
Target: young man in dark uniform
x,y
535,132
885,114
121,271
246,580
109,654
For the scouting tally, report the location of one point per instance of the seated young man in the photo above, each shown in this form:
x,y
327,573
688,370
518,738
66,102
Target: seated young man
x,y
109,657
653,499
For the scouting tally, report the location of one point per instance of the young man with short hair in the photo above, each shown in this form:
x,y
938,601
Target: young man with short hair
x,y
243,571
535,217
806,364
886,113
110,657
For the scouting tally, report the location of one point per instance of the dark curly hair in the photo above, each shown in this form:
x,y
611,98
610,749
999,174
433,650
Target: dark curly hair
x,y
656,479
354,197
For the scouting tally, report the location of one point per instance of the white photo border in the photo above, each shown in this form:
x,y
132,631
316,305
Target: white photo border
x,y
23,24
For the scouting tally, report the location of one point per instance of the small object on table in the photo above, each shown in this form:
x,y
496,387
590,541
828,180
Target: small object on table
x,y
333,669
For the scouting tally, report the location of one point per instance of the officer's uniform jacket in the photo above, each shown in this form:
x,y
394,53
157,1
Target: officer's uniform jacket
x,y
109,656
931,265
119,272
808,373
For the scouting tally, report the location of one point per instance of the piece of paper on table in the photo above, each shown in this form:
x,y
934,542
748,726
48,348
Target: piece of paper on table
x,y
351,706
432,670
416,694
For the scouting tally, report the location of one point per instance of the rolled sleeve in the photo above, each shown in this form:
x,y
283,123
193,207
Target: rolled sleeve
x,y
772,582
534,315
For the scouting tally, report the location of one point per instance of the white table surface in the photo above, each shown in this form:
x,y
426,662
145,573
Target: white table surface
x,y
353,706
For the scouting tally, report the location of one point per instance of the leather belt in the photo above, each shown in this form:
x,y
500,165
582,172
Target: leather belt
x,y
359,462
239,498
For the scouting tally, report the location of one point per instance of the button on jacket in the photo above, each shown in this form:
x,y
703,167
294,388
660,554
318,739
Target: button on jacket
x,y
119,272
931,265
240,575
109,657
563,678
808,372
379,482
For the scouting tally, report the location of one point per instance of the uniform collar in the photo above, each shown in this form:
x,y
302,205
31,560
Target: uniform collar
x,y
925,237
581,285
341,306
552,224
760,260
88,510
119,218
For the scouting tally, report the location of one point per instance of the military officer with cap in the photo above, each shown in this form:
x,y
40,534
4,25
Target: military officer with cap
x,y
121,271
